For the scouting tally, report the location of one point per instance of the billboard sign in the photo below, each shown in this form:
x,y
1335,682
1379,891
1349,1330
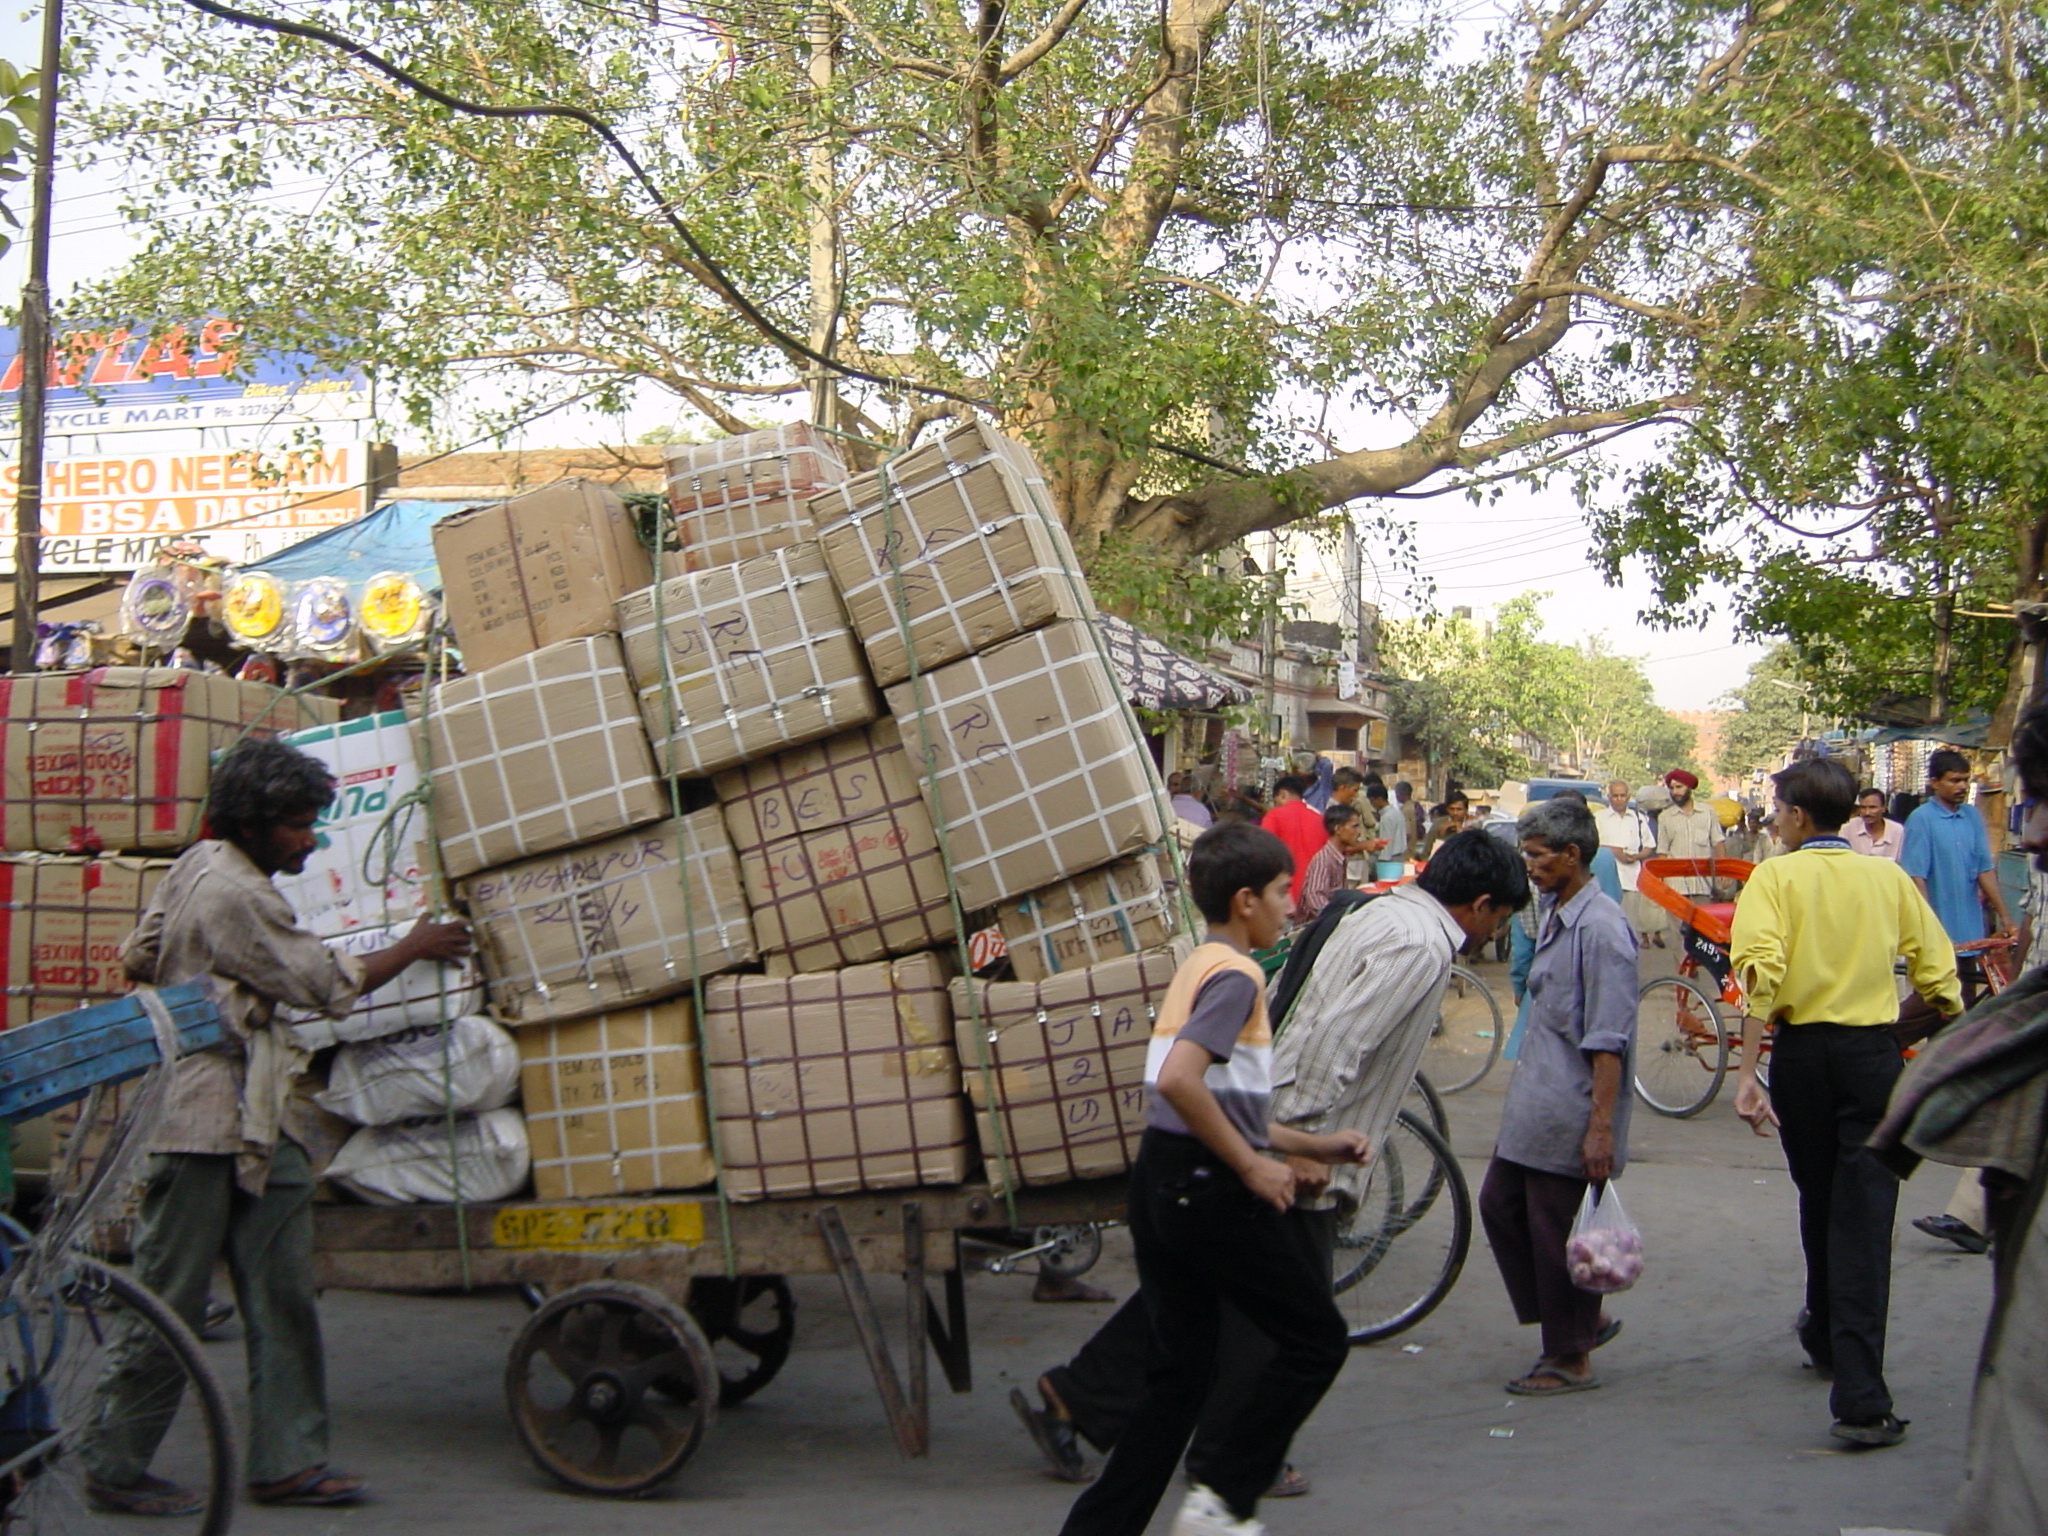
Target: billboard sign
x,y
183,374
113,513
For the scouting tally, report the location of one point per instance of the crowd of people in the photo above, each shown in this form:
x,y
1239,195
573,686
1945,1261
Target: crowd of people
x,y
1258,1129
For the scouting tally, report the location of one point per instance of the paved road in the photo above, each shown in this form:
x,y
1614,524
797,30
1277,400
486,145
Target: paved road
x,y
1707,1424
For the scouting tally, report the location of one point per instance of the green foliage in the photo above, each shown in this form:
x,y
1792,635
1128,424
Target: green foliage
x,y
1770,715
20,96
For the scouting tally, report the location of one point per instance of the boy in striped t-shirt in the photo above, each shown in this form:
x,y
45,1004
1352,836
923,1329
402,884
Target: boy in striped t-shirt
x,y
1208,1216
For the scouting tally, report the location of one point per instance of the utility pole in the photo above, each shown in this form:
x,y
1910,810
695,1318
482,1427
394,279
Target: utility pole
x,y
822,182
35,348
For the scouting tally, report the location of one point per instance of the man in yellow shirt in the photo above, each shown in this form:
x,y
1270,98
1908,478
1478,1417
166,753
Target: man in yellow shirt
x,y
1815,935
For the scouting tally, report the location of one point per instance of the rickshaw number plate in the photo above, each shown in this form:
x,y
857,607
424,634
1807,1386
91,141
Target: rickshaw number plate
x,y
599,1228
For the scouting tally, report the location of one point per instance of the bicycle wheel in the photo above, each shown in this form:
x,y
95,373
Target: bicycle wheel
x,y
1400,1252
1466,1039
1681,1046
1428,1105
55,1350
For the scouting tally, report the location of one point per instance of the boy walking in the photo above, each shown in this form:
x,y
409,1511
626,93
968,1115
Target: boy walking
x,y
1208,1217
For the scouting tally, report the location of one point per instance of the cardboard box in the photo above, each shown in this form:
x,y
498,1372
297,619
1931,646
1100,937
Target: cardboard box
x,y
734,663
837,852
962,534
1040,771
600,927
836,1082
536,570
615,1104
1121,909
1062,1061
744,496
543,752
374,770
118,759
62,922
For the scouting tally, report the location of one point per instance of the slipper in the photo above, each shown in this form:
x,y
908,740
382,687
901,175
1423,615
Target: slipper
x,y
1292,1483
314,1487
149,1496
1525,1386
1607,1332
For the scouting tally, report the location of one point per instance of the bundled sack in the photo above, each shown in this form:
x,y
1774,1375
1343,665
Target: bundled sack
x,y
1605,1250
1038,770
733,663
416,1163
738,497
119,758
1056,1068
471,1066
542,752
958,542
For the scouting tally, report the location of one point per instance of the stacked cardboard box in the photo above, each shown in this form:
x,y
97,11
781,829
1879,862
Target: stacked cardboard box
x,y
1120,909
62,923
739,497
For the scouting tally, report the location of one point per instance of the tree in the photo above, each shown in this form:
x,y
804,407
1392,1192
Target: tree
x,y
1124,224
20,92
1771,714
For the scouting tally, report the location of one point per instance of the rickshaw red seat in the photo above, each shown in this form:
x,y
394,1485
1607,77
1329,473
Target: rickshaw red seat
x,y
1724,910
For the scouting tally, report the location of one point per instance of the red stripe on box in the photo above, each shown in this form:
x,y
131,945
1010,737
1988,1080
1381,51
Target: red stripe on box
x,y
170,734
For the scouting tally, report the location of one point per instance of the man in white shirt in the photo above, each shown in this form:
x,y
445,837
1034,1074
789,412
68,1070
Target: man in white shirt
x,y
1626,832
1871,831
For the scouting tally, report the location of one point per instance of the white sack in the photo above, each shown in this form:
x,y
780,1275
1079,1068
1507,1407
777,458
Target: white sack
x,y
409,1164
473,1067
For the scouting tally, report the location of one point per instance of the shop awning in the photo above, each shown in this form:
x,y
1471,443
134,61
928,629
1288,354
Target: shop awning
x,y
1155,676
398,536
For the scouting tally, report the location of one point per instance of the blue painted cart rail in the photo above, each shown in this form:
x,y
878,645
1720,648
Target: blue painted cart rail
x,y
59,1060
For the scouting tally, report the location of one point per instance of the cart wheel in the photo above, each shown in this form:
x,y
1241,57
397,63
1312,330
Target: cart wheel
x,y
1074,1249
750,1322
582,1386
1681,1046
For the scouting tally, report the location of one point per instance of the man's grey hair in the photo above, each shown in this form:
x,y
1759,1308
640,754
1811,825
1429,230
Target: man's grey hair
x,y
1562,824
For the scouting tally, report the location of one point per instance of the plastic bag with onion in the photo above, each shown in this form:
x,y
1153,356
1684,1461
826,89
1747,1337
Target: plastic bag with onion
x,y
1605,1250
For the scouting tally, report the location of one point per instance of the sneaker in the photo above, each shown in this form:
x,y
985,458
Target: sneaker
x,y
1885,1429
1961,1233
1202,1513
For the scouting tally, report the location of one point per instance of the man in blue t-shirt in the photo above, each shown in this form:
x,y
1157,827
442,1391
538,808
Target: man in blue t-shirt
x,y
1948,854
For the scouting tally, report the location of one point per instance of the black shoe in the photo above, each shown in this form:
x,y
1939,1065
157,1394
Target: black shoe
x,y
1054,1437
1885,1429
1961,1233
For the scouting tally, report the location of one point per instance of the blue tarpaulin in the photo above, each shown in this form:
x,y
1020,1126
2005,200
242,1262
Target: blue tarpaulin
x,y
396,537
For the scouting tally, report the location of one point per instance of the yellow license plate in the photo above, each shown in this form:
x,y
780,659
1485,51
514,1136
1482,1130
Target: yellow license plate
x,y
599,1228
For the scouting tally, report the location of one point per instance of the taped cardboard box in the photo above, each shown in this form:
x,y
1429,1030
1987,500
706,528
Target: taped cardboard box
x,y
538,569
615,1104
838,853
744,496
543,752
62,922
117,759
1063,1062
733,663
836,1082
600,927
1039,771
1121,909
959,540
367,883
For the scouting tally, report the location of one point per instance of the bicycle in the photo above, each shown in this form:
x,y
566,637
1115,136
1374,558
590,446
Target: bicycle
x,y
1470,1013
1402,1246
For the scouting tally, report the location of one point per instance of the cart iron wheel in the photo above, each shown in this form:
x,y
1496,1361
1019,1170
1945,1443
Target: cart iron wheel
x,y
1681,1046
750,1322
609,1386
1073,1250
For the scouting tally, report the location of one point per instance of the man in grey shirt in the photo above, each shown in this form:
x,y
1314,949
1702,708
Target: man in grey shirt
x,y
1565,1122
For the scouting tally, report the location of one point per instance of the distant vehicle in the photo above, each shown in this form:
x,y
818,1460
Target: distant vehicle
x,y
1550,789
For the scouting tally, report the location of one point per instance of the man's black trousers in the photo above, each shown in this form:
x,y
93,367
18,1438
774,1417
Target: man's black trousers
x,y
1829,1085
1204,1243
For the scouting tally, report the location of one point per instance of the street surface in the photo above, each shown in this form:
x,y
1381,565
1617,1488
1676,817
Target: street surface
x,y
1707,1424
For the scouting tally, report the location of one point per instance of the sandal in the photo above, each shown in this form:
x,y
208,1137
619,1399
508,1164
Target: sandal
x,y
1607,1332
1534,1384
151,1496
316,1486
1290,1484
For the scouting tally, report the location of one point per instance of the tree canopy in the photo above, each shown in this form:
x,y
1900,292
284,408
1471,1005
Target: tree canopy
x,y
1769,715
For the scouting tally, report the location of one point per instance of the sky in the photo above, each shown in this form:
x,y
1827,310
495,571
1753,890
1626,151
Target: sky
x,y
1529,539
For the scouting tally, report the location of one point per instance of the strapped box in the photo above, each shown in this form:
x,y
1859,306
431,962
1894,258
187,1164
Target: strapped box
x,y
1065,1060
118,758
367,833
615,1104
1038,770
62,922
958,541
747,495
541,568
837,1082
543,752
1120,909
600,927
838,853
734,663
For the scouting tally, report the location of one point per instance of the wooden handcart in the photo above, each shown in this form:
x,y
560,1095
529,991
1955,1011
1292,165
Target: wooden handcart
x,y
613,1381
